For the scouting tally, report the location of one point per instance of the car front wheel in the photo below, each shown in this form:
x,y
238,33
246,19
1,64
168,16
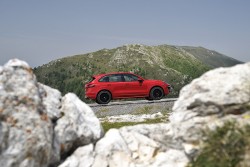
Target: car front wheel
x,y
103,97
156,93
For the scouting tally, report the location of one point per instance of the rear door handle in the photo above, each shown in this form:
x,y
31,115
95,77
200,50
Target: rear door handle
x,y
108,84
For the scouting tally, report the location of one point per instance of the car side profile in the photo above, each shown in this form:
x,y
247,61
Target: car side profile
x,y
105,87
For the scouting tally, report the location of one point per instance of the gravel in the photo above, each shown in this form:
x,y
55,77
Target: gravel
x,y
101,111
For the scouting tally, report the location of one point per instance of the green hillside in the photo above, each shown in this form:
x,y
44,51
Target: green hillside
x,y
211,58
174,64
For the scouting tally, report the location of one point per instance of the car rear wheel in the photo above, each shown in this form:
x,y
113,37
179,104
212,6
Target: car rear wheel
x,y
156,93
103,97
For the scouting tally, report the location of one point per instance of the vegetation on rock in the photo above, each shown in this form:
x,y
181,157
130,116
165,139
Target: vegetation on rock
x,y
224,146
109,125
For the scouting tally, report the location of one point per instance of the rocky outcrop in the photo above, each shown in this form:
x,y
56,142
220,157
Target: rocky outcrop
x,y
218,95
78,126
26,133
37,125
140,145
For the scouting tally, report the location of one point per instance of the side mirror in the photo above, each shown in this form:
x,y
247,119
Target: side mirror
x,y
140,80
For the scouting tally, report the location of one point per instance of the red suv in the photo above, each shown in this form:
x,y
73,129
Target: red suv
x,y
105,87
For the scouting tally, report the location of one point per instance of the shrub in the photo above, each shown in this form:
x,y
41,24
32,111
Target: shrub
x,y
223,147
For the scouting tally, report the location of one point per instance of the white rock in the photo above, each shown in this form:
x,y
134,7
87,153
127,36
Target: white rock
x,y
131,118
135,146
17,63
218,95
25,130
82,155
78,126
29,111
51,100
171,158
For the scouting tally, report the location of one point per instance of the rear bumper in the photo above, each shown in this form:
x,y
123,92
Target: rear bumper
x,y
90,95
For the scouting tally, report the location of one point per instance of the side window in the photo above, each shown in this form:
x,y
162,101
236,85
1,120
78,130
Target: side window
x,y
130,78
104,79
115,78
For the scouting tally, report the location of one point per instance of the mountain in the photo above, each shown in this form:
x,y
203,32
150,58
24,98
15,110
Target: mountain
x,y
212,58
177,65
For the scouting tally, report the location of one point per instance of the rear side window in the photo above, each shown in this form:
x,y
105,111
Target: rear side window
x,y
116,78
104,79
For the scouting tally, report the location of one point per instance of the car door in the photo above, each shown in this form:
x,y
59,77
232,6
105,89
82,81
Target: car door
x,y
116,85
134,86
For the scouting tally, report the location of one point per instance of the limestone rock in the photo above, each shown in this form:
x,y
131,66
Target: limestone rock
x,y
51,100
38,127
25,130
78,126
218,95
133,146
83,155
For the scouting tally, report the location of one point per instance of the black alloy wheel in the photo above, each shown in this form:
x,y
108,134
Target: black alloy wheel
x,y
103,97
156,93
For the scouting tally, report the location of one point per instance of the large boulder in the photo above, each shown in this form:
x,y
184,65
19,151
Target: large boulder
x,y
26,132
38,127
216,97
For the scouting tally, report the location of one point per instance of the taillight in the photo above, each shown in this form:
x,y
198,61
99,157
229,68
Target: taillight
x,y
89,86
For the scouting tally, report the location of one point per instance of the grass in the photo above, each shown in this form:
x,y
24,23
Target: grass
x,y
109,125
151,109
166,110
143,110
223,147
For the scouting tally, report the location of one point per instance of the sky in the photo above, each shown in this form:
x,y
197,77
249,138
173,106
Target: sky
x,y
41,31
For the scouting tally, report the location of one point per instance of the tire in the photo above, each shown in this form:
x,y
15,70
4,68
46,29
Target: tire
x,y
156,93
103,97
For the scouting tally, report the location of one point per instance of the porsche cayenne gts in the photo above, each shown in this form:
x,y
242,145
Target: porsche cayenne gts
x,y
105,87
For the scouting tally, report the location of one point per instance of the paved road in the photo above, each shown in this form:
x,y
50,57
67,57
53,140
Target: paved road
x,y
132,102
